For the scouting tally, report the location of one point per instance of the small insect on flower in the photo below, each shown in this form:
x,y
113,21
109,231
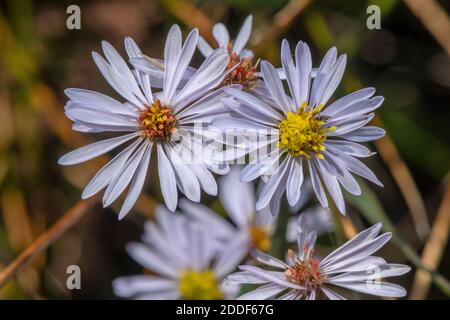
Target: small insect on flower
x,y
249,229
303,133
147,119
304,276
185,262
241,59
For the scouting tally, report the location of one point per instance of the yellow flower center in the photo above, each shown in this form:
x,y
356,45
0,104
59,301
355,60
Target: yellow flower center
x,y
260,238
303,134
157,121
305,272
199,285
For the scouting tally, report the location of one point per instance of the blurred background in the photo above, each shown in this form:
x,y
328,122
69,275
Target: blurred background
x,y
39,57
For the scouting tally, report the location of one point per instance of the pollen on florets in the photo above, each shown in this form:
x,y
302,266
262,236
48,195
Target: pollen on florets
x,y
260,238
157,121
303,133
199,285
305,272
244,72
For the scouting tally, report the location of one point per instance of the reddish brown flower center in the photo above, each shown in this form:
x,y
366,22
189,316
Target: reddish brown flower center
x,y
244,71
305,272
157,121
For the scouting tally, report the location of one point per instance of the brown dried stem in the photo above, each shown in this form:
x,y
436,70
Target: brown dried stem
x,y
71,217
405,182
280,22
434,248
434,18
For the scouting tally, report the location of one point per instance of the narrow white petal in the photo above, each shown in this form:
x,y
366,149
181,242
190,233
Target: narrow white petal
x,y
363,250
358,108
204,47
383,289
220,33
131,286
132,48
181,65
149,259
268,260
322,76
272,276
204,215
167,179
272,185
294,182
233,254
368,133
107,172
348,100
186,178
264,292
317,185
360,238
122,69
206,78
352,148
114,79
137,183
89,115
331,294
274,85
243,35
334,79
205,178
304,68
290,72
332,185
237,198
172,51
98,100
255,103
241,277
121,181
94,150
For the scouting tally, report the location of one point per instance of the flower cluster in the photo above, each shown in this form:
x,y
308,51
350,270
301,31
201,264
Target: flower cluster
x,y
202,120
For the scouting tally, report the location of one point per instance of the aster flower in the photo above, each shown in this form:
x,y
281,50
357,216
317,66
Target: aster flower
x,y
183,260
249,229
222,36
303,133
244,72
351,267
147,120
240,64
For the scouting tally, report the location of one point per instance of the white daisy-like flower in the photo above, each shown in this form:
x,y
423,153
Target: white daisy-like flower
x,y
164,120
183,259
243,69
222,36
303,133
240,65
351,267
249,229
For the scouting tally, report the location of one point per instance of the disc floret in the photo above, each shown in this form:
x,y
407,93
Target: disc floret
x,y
199,285
244,72
157,122
303,133
305,271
